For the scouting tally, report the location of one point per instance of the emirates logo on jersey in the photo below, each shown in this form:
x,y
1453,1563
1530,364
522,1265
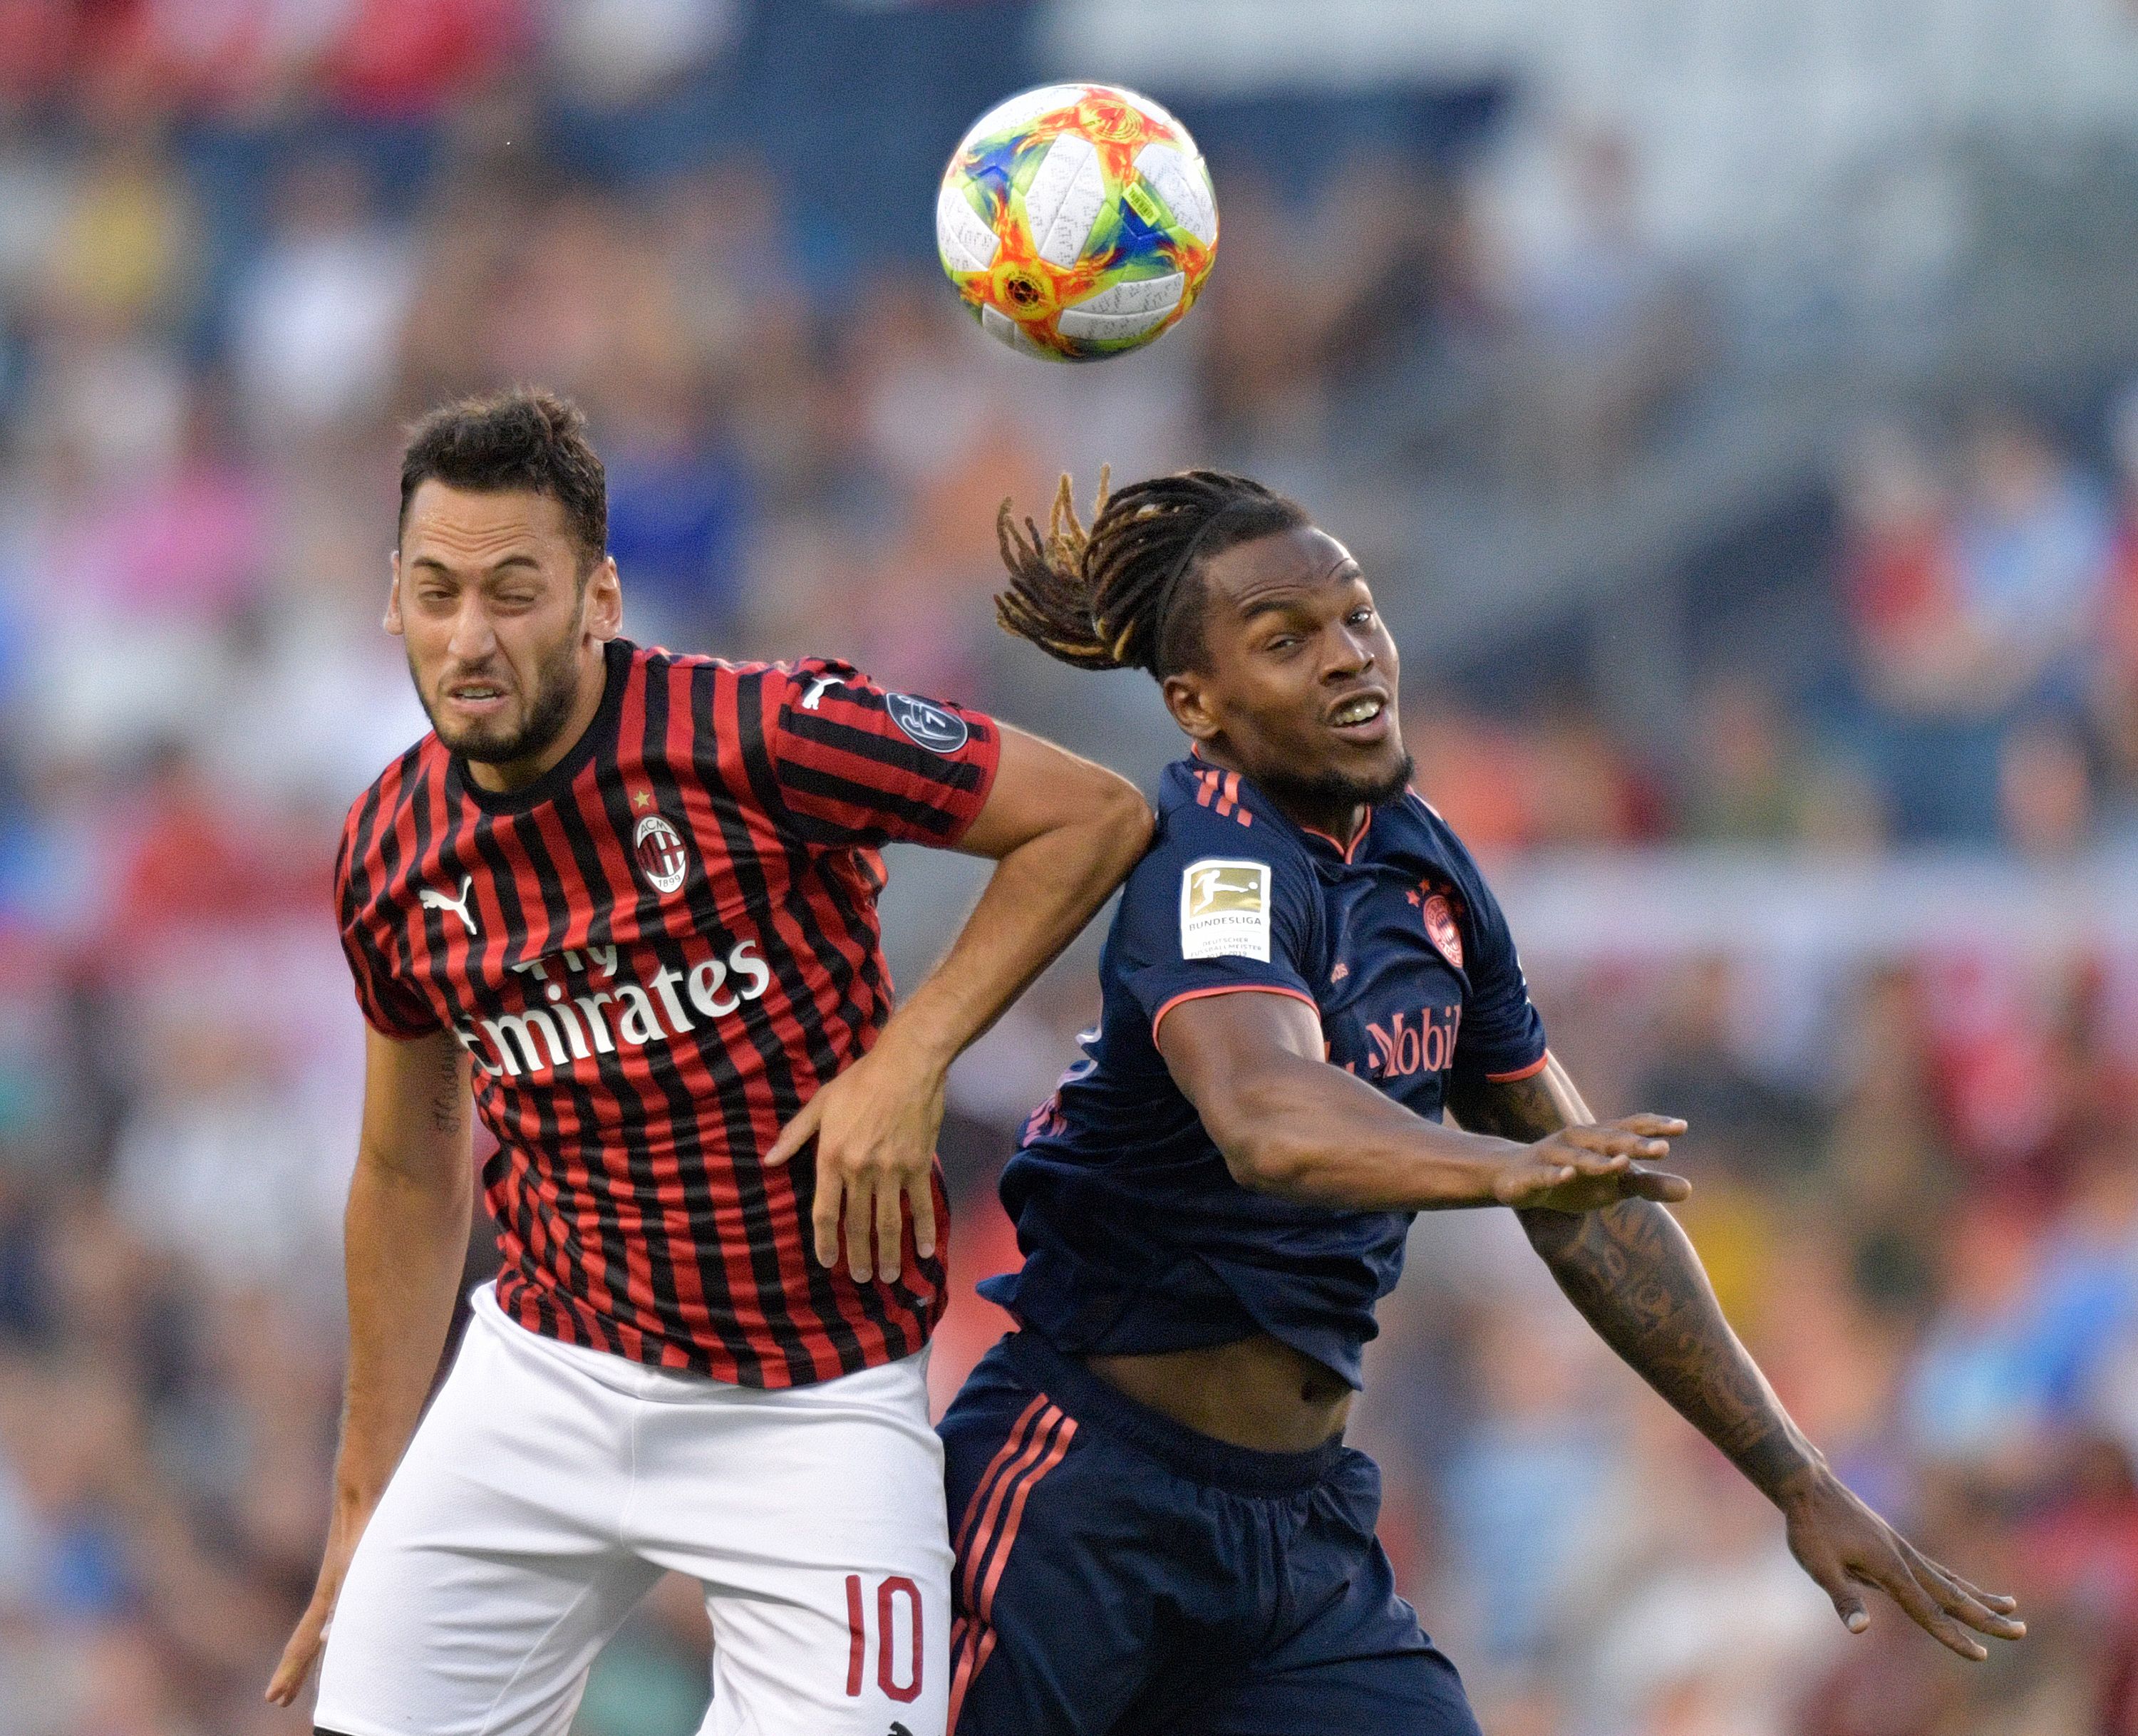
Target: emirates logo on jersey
x,y
660,851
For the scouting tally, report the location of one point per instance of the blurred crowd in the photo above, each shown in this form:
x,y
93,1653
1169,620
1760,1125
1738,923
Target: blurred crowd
x,y
241,242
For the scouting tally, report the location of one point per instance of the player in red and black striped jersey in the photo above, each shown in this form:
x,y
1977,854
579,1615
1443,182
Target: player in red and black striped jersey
x,y
654,953
624,900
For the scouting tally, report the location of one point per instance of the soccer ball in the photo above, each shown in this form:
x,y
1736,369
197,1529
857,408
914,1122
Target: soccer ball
x,y
1076,220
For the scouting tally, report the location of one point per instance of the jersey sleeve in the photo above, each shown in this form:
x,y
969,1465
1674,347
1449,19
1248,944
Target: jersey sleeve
x,y
392,1006
1216,909
1501,1037
858,764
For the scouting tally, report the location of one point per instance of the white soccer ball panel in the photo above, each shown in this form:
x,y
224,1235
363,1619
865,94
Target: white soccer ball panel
x,y
1075,322
1061,200
1184,184
961,234
1078,211
1140,295
999,325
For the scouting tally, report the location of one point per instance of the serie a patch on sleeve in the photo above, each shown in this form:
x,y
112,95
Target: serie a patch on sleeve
x,y
1225,909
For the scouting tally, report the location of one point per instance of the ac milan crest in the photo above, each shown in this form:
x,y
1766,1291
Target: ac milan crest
x,y
1441,930
661,858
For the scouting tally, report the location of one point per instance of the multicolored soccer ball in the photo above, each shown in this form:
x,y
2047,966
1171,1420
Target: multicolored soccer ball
x,y
1076,220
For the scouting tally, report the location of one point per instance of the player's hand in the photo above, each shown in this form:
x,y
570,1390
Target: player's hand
x,y
1844,1546
1586,1169
305,1642
875,1126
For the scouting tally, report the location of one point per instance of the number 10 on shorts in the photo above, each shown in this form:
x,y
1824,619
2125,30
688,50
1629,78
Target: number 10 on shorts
x,y
897,1602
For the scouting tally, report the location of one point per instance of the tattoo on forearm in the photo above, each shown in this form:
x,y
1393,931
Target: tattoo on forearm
x,y
1636,1278
1638,1282
446,1101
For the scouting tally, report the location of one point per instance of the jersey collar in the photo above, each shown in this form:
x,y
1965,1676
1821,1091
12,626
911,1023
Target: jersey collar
x,y
1321,841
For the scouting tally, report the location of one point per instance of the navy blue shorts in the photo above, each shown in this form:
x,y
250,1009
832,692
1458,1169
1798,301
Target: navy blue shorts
x,y
1119,1574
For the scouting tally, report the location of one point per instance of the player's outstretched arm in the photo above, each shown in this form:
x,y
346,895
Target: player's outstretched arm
x,y
1062,832
1637,1280
405,1238
1290,1124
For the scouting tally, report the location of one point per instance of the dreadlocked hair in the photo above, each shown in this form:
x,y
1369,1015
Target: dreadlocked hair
x,y
1125,594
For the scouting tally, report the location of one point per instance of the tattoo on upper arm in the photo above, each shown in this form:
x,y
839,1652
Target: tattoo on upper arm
x,y
1516,1108
448,1098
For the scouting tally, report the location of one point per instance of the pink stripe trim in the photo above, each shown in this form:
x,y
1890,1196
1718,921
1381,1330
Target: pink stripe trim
x,y
985,1611
1531,1071
1013,1444
1229,988
961,1676
1359,838
978,1545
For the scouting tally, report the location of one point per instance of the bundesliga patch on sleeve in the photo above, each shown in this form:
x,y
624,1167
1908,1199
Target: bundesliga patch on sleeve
x,y
1225,909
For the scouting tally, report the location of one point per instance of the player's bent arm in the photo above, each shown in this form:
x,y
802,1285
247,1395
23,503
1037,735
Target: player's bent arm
x,y
1291,1124
405,1238
1635,1278
1064,833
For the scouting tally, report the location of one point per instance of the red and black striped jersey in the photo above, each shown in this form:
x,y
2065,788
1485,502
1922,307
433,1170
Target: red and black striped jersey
x,y
655,953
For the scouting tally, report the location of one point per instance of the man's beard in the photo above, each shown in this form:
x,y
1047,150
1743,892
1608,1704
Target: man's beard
x,y
556,690
1333,789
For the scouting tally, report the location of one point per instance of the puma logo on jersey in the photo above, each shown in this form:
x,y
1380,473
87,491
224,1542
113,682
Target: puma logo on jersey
x,y
815,698
1225,909
434,900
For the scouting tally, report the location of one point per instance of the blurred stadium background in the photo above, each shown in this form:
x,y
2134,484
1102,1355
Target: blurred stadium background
x,y
1731,401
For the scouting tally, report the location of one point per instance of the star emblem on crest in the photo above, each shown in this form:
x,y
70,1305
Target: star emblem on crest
x,y
641,799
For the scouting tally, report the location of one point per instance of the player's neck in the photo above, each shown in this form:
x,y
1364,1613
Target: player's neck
x,y
500,776
1340,817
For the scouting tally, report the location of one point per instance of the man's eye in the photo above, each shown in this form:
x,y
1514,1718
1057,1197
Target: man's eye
x,y
1282,642
1359,617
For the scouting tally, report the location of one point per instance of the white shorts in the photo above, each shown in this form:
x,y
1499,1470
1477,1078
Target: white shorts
x,y
549,1486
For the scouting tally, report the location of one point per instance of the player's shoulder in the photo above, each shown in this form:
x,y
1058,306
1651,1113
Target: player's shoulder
x,y
407,780
397,804
1205,814
1200,803
1419,838
1415,824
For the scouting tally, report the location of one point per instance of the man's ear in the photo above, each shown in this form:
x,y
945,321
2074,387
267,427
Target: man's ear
x,y
604,601
394,597
1187,698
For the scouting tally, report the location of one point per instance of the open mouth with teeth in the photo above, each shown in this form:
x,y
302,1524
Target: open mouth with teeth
x,y
475,696
1361,715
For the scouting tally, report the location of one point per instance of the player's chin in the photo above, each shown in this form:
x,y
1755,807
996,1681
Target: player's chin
x,y
481,742
1378,771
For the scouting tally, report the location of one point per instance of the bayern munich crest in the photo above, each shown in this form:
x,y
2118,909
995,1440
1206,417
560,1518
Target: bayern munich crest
x,y
662,857
1441,930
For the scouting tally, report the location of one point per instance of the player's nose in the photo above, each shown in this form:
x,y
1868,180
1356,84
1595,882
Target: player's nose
x,y
1348,654
473,637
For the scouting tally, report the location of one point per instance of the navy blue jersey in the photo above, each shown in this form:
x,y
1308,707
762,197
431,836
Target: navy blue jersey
x,y
1135,1236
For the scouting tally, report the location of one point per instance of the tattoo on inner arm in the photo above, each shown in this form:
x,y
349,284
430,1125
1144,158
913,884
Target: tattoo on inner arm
x,y
445,1112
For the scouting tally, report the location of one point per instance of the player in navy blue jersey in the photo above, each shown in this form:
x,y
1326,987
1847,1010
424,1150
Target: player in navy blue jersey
x,y
1158,1525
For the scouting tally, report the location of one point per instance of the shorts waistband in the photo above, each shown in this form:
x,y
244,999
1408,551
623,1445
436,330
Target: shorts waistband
x,y
1199,1457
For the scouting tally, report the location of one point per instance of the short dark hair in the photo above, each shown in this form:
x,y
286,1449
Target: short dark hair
x,y
1127,594
506,442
